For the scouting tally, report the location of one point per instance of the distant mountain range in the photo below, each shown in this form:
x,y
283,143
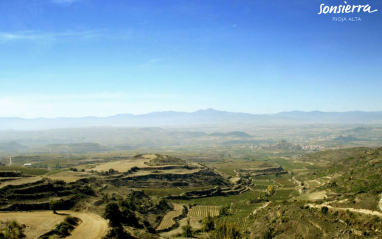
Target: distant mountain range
x,y
197,118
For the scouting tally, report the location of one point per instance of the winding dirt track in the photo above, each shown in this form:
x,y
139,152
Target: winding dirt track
x,y
261,207
92,226
362,211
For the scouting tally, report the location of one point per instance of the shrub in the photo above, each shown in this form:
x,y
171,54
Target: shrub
x,y
187,229
324,210
208,223
12,230
227,230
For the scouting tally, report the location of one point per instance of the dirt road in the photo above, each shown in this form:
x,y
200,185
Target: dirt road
x,y
362,211
92,226
261,207
299,187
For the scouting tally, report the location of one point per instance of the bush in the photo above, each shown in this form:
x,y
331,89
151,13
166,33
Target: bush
x,y
117,232
72,220
208,223
227,230
224,211
12,230
114,215
187,229
324,210
64,229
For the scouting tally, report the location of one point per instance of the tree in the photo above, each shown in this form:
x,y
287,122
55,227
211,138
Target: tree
x,y
324,209
113,213
208,223
224,210
271,189
54,205
227,230
187,229
268,234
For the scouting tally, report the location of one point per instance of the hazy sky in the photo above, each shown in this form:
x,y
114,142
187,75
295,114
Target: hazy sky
x,y
97,57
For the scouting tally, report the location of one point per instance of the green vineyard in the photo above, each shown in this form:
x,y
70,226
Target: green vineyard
x,y
201,211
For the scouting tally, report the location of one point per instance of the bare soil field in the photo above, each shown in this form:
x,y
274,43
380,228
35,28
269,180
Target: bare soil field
x,y
37,223
312,196
122,165
40,222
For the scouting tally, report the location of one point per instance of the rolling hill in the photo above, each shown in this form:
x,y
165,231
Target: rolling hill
x,y
197,118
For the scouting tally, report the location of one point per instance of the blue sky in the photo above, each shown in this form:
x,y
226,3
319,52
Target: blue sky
x,y
92,57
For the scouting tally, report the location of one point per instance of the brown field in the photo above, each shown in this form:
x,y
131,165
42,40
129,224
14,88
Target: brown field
x,y
312,196
37,223
168,220
67,176
40,222
127,164
121,165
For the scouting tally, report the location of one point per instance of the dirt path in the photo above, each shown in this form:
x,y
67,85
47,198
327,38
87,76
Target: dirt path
x,y
363,211
298,185
380,203
314,180
261,207
92,226
320,228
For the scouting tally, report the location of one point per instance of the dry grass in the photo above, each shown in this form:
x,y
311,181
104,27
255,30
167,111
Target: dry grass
x,y
121,165
67,176
41,222
37,223
20,181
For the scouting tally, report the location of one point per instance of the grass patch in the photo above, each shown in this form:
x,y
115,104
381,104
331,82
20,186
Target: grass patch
x,y
221,200
162,192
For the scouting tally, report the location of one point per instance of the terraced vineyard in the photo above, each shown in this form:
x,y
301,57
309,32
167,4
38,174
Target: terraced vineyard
x,y
202,211
35,193
168,220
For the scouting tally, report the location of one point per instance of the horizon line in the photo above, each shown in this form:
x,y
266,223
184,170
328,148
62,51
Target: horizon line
x,y
190,112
